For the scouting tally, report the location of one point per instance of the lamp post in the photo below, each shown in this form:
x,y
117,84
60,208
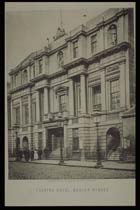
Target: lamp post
x,y
97,121
61,162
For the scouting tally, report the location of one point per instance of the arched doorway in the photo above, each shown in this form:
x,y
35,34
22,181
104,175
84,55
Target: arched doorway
x,y
17,143
25,143
112,143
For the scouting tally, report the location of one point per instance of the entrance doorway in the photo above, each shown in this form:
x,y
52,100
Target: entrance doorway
x,y
55,136
25,143
112,143
17,143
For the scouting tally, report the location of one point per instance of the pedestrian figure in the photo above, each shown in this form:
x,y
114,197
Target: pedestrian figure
x,y
32,154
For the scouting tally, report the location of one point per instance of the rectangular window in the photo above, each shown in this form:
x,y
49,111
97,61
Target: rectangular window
x,y
94,44
96,96
25,116
62,104
41,105
75,139
16,80
75,49
34,112
115,94
40,66
17,115
40,141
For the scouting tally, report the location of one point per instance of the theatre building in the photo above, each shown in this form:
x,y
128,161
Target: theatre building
x,y
55,92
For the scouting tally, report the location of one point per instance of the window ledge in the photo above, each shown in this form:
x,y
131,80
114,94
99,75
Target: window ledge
x,y
76,151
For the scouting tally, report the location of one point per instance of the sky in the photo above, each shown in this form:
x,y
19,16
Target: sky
x,y
27,25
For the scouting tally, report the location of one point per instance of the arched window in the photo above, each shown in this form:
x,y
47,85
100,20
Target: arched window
x,y
60,59
112,35
113,141
25,76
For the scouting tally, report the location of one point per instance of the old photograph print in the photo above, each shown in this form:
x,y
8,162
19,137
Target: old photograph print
x,y
70,77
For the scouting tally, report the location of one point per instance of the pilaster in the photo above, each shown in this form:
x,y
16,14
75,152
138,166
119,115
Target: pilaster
x,y
122,85
37,107
103,88
71,98
83,93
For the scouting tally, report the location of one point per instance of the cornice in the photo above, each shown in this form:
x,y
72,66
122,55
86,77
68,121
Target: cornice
x,y
98,56
56,74
109,51
39,78
78,61
21,87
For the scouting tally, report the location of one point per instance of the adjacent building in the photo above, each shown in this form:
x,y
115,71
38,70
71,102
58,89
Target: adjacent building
x,y
56,91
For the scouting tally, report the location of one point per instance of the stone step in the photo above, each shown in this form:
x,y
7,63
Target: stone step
x,y
114,156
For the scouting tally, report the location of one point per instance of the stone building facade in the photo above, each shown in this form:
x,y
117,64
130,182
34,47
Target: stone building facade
x,y
56,91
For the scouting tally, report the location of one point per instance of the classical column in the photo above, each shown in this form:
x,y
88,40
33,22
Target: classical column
x,y
108,95
51,100
122,85
12,123
21,111
83,93
37,107
46,101
44,139
29,108
71,98
65,138
90,99
127,77
103,92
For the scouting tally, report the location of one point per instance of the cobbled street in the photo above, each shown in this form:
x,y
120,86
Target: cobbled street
x,y
18,170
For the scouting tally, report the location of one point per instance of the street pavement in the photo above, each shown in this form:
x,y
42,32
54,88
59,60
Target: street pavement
x,y
115,165
32,170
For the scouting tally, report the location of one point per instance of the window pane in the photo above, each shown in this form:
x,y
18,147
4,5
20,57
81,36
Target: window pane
x,y
75,139
115,94
40,65
94,44
62,103
75,132
75,144
75,49
97,97
17,117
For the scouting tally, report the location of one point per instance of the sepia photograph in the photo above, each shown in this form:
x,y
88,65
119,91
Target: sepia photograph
x,y
70,85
